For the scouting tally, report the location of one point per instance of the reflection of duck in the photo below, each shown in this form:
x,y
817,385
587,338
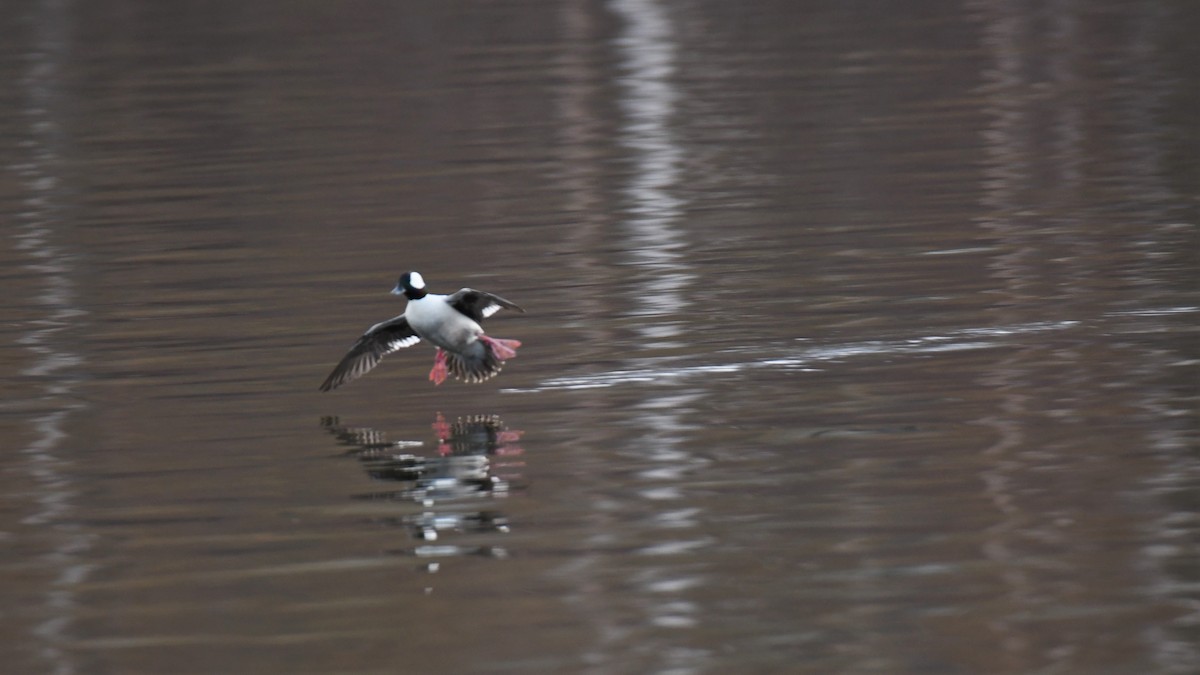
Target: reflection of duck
x,y
476,435
462,474
449,322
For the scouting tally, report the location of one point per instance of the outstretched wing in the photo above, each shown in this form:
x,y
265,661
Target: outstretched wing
x,y
479,305
379,341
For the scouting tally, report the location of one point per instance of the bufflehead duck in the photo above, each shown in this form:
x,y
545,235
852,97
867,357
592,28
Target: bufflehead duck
x,y
449,322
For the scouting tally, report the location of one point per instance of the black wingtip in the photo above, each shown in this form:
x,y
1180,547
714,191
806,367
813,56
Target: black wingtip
x,y
330,383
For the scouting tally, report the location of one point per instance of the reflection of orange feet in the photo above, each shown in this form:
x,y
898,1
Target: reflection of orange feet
x,y
441,428
438,374
501,349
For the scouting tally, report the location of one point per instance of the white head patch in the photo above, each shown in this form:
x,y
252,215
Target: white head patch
x,y
416,281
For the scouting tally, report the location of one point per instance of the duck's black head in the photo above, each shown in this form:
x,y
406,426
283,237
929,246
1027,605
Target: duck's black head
x,y
411,286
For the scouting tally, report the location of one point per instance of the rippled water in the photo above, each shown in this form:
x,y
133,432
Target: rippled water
x,y
859,338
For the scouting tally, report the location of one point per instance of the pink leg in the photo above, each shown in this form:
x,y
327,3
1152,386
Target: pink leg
x,y
438,374
502,349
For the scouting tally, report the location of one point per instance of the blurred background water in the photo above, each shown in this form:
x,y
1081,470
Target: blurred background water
x,y
861,337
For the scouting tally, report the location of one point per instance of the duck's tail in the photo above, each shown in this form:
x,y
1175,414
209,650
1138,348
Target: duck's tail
x,y
482,360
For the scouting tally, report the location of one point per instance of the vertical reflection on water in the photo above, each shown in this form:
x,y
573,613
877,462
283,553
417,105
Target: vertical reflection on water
x,y
652,244
579,173
1041,176
1010,162
1143,149
580,176
53,369
646,47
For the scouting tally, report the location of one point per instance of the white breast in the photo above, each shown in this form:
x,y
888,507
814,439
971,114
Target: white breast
x,y
441,324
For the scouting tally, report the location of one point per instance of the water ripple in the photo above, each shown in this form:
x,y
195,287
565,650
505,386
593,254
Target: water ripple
x,y
805,358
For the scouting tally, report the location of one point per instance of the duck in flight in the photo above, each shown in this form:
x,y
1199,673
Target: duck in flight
x,y
449,322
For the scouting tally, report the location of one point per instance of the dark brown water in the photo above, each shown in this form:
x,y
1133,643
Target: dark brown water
x,y
861,337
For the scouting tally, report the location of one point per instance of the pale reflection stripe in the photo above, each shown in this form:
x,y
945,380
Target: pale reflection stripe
x,y
807,358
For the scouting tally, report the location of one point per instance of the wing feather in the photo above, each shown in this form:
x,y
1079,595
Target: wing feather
x,y
479,305
379,341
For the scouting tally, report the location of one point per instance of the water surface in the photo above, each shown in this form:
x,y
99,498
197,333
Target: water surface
x,y
859,339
